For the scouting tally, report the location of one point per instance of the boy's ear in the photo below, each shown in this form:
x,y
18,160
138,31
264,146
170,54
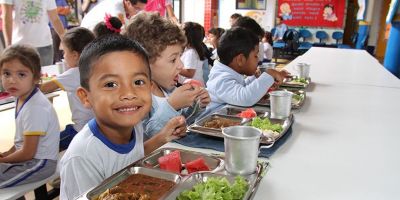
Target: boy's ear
x,y
82,93
240,60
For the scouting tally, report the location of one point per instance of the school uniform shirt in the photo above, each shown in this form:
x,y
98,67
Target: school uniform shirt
x,y
268,51
91,158
226,86
191,60
30,23
37,117
115,8
69,81
161,112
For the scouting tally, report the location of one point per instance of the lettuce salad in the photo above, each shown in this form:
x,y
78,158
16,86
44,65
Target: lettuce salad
x,y
216,188
266,124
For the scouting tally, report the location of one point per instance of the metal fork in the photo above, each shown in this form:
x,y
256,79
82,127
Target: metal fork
x,y
196,109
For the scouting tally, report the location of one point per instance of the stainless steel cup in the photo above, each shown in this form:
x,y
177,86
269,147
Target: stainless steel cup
x,y
241,149
265,66
303,70
281,103
60,67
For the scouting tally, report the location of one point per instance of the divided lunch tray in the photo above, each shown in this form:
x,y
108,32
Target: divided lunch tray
x,y
228,117
291,82
146,166
296,103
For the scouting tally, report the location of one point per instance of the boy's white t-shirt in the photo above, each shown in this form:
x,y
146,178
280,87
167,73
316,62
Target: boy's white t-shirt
x,y
37,117
191,60
268,51
69,81
91,158
31,22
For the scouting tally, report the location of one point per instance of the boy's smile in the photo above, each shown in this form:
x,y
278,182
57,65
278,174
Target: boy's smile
x,y
120,92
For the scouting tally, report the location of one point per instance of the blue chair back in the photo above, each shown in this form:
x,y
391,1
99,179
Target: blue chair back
x,y
321,35
304,34
337,35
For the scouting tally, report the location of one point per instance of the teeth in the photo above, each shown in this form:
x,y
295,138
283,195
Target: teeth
x,y
127,109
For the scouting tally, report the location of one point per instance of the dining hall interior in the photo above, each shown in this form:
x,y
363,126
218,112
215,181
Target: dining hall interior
x,y
271,99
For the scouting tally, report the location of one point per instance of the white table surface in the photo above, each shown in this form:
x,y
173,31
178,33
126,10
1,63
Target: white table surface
x,y
346,138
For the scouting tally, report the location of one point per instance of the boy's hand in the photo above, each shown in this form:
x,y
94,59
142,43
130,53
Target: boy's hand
x,y
277,75
184,96
174,129
204,97
285,73
257,73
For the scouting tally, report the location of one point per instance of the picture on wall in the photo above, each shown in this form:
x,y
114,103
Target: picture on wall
x,y
251,4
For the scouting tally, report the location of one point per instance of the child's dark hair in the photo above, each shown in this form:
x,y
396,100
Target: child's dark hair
x,y
236,16
155,33
195,34
102,46
26,55
250,24
77,38
236,41
111,25
217,31
268,37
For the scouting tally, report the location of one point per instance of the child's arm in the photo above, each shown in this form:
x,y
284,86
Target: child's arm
x,y
174,129
10,151
26,153
278,76
48,87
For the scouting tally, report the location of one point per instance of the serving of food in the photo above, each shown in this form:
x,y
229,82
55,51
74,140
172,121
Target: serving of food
x,y
267,126
296,82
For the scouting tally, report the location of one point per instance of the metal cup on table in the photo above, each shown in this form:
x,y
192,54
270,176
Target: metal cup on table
x,y
265,66
60,67
303,70
242,148
281,103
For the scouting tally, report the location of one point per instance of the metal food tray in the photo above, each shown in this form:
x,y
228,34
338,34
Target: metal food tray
x,y
198,127
253,180
151,161
115,179
287,82
295,105
231,110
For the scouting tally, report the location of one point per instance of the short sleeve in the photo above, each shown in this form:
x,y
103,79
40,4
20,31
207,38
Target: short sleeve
x,y
35,122
190,59
168,2
51,4
69,80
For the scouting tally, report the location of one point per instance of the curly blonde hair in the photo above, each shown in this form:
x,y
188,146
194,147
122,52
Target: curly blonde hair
x,y
154,33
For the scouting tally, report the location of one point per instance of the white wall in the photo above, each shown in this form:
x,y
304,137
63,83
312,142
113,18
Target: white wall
x,y
264,17
193,11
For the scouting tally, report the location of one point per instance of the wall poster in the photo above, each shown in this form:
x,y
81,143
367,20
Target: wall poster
x,y
251,4
313,13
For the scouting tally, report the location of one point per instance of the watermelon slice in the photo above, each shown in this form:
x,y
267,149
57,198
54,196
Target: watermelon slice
x,y
171,162
248,113
197,165
193,82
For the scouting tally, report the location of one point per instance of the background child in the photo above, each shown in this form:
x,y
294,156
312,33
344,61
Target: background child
x,y
237,50
194,54
268,49
214,34
111,25
164,42
115,80
73,43
34,154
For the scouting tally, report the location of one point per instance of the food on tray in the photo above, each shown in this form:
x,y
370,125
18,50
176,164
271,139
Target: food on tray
x,y
120,193
219,123
266,126
46,77
171,162
248,113
217,188
193,82
4,95
196,165
146,187
299,80
296,98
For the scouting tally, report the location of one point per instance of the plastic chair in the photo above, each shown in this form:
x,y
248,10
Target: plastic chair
x,y
337,35
305,34
304,45
321,35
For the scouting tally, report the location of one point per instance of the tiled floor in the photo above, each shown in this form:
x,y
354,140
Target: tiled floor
x,y
7,125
